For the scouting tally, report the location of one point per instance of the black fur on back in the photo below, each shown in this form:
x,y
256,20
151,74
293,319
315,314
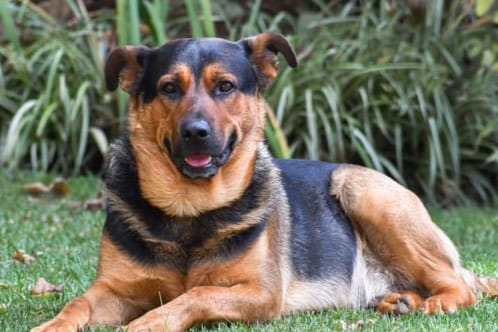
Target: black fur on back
x,y
322,239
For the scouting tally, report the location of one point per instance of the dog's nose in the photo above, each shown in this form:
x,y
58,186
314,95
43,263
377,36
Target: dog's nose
x,y
195,129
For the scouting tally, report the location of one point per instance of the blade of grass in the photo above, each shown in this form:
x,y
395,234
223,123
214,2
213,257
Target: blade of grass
x,y
331,95
195,25
51,76
82,142
122,21
329,135
100,139
158,19
369,149
44,118
312,125
273,130
207,16
10,29
133,22
20,118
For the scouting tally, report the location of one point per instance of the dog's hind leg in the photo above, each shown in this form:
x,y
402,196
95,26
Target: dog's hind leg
x,y
399,231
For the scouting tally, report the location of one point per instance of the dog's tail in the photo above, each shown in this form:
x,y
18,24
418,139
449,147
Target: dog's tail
x,y
486,285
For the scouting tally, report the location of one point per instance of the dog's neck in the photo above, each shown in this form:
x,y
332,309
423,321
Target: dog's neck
x,y
179,196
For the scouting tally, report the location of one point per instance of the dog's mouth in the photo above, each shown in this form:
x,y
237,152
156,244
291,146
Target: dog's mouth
x,y
198,159
203,164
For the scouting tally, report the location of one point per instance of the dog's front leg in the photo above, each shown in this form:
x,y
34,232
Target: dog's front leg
x,y
74,316
99,306
210,303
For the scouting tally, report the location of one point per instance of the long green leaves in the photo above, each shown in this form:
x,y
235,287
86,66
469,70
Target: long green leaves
x,y
55,81
414,98
8,26
201,25
400,97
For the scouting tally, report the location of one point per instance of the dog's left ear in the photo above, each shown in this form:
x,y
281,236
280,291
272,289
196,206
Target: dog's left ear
x,y
124,67
262,51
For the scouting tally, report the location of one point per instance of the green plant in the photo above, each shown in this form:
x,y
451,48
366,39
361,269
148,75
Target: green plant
x,y
415,100
412,96
51,90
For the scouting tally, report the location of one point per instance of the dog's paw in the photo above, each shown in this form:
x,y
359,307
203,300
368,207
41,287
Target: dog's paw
x,y
448,302
399,303
56,325
153,321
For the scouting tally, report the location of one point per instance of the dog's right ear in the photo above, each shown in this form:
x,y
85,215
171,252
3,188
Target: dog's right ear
x,y
124,67
262,51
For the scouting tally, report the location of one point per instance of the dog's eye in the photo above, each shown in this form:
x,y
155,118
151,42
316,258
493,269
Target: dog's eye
x,y
169,88
225,87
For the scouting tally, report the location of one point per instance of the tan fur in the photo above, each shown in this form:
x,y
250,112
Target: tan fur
x,y
215,291
131,73
398,229
264,57
161,182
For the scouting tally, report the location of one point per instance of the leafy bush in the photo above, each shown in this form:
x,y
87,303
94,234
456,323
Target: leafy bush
x,y
417,101
52,91
412,96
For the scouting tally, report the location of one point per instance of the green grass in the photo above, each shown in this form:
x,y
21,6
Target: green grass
x,y
64,239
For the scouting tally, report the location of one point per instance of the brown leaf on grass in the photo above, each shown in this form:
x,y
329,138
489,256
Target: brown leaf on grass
x,y
42,287
35,189
60,187
94,204
21,256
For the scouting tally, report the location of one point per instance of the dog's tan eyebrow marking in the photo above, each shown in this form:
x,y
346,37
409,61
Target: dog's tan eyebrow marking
x,y
181,74
215,72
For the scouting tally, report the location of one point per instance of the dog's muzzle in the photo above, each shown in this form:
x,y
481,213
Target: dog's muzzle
x,y
200,151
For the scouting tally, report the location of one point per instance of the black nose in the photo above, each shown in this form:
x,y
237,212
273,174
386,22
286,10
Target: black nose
x,y
195,129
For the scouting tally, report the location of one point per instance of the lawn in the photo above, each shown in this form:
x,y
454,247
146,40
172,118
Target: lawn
x,y
63,238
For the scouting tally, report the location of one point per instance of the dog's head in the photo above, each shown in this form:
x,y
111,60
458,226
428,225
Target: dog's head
x,y
195,103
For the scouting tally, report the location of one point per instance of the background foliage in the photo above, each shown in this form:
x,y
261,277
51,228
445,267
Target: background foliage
x,y
406,87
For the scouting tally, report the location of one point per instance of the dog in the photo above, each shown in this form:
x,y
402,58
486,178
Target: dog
x,y
203,225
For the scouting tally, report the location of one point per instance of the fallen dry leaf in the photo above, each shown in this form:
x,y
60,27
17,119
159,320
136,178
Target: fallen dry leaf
x,y
35,189
42,287
96,203
60,187
21,256
4,286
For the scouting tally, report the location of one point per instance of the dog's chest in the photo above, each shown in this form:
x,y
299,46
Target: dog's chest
x,y
180,243
149,236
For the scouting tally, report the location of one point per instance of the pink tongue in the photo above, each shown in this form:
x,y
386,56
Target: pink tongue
x,y
197,159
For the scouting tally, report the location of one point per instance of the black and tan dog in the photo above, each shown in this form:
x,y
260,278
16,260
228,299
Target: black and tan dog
x,y
203,225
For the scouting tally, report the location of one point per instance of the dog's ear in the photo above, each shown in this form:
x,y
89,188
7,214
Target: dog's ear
x,y
262,51
124,67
